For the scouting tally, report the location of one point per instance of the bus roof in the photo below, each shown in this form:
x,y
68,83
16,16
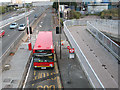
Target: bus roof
x,y
44,41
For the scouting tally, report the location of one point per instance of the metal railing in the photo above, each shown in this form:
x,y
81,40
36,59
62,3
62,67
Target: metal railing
x,y
103,39
109,26
8,21
106,41
91,75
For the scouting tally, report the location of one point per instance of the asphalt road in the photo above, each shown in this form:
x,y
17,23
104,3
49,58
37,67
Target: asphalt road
x,y
12,34
47,79
43,78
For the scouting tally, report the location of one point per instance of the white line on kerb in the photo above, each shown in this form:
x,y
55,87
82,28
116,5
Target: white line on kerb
x,y
27,74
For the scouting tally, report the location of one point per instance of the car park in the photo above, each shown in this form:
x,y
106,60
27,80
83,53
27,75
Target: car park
x,y
13,25
2,33
21,27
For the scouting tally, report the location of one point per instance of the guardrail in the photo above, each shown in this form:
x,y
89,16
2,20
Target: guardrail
x,y
109,26
7,52
91,75
104,40
6,22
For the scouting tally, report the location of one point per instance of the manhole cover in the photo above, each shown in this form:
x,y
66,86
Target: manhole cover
x,y
7,80
8,86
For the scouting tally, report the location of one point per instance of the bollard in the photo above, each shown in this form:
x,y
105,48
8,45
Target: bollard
x,y
30,46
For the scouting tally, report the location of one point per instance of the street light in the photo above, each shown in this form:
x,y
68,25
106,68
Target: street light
x,y
59,28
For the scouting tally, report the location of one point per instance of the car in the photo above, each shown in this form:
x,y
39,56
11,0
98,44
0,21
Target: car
x,y
35,16
2,33
13,25
21,27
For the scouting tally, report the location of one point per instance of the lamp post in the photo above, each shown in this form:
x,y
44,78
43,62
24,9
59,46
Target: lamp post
x,y
59,27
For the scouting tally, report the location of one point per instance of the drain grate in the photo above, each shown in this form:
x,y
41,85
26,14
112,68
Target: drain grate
x,y
7,80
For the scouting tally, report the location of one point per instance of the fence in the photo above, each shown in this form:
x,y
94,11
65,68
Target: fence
x,y
8,21
94,80
103,39
109,26
107,42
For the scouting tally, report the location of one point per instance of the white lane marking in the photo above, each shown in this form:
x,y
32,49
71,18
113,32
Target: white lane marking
x,y
40,26
44,15
81,77
41,22
8,35
27,75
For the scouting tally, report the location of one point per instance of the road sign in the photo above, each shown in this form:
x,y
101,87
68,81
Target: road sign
x,y
68,47
71,50
71,55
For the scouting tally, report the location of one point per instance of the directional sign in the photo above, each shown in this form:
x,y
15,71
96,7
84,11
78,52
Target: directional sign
x,y
72,50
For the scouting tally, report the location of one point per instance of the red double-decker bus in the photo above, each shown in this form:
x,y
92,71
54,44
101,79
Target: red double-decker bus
x,y
43,51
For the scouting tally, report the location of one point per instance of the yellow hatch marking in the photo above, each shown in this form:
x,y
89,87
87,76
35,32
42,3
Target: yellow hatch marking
x,y
34,73
56,70
39,87
32,84
35,77
51,87
48,75
39,75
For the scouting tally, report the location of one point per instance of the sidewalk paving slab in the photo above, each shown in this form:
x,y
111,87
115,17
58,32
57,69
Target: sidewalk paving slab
x,y
13,77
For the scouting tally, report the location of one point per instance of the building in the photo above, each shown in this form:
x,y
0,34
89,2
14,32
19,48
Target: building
x,y
97,7
18,2
41,3
67,13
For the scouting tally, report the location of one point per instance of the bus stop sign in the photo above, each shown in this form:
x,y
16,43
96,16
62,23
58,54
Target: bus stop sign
x,y
72,50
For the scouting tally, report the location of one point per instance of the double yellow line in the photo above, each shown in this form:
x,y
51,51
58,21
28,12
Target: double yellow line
x,y
56,70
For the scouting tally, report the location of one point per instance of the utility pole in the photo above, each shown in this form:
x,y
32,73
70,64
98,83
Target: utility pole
x,y
59,27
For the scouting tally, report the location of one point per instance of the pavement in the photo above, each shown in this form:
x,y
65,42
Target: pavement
x,y
14,72
103,62
13,75
72,75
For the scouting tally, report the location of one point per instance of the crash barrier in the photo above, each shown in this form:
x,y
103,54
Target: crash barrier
x,y
7,21
8,51
104,40
108,26
91,75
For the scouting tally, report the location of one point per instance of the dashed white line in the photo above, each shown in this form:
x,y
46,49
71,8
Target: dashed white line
x,y
40,26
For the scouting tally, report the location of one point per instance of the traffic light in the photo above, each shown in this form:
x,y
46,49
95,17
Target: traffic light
x,y
57,30
30,30
27,30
